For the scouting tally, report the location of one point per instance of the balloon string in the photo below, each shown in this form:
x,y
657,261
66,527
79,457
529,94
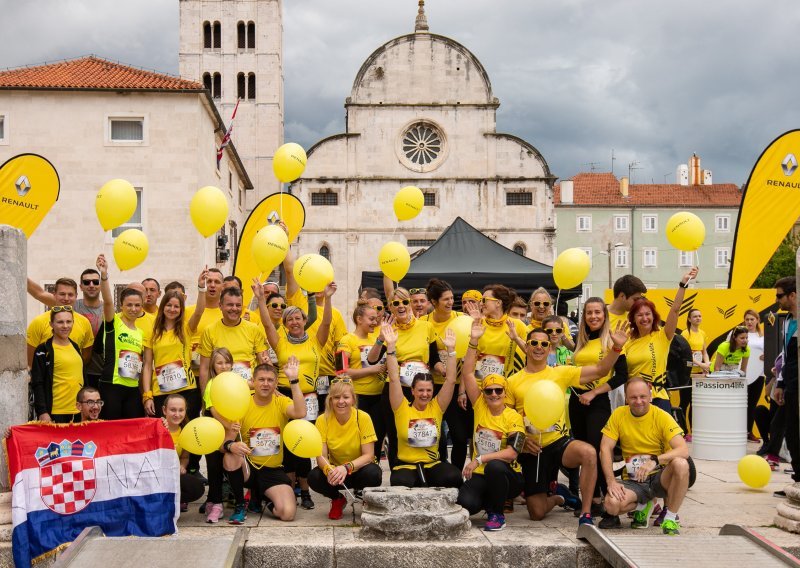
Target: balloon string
x,y
558,297
322,458
539,457
205,251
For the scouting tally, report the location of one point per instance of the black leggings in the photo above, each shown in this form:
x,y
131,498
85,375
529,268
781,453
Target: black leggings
x,y
215,477
490,489
459,424
587,423
442,474
120,402
191,488
685,395
777,430
371,404
763,419
753,395
367,476
388,421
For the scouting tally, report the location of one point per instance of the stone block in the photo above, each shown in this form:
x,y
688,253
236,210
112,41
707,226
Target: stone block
x,y
789,510
793,492
400,513
516,547
289,547
787,524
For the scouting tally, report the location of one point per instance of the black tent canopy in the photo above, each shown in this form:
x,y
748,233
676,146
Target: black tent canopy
x,y
468,259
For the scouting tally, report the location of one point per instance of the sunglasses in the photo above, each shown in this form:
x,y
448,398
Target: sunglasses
x,y
276,305
493,390
541,304
485,299
779,296
536,343
57,309
418,291
396,303
99,403
379,308
93,282
554,330
345,380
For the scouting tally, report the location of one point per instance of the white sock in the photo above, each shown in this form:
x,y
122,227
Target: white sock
x,y
670,516
640,506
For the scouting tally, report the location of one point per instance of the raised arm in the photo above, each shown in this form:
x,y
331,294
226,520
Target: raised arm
x,y
266,321
105,289
324,328
675,310
468,380
396,397
388,288
288,268
39,293
292,370
200,307
446,392
593,372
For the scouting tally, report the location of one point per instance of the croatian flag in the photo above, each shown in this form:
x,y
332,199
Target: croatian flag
x,y
227,137
122,476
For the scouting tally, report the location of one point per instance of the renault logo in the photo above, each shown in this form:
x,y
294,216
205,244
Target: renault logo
x,y
23,185
789,164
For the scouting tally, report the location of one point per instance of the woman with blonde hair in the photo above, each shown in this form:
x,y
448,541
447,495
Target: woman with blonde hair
x,y
542,305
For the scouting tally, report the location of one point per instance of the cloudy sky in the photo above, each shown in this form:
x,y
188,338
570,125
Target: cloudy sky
x,y
654,81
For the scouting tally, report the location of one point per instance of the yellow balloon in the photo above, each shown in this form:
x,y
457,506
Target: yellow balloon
x,y
303,439
202,436
115,203
313,272
571,268
754,471
230,395
408,203
686,231
289,162
130,249
209,210
394,260
544,404
462,327
270,246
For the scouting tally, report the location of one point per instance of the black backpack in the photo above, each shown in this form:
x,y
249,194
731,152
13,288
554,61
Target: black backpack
x,y
679,362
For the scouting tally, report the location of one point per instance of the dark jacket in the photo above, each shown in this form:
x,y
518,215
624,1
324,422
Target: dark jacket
x,y
42,376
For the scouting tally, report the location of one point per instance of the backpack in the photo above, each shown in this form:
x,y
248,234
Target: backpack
x,y
679,362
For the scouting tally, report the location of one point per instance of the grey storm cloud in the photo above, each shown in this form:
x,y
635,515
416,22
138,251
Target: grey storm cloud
x,y
652,81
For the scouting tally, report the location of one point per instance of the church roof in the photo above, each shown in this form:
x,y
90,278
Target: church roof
x,y
603,190
92,73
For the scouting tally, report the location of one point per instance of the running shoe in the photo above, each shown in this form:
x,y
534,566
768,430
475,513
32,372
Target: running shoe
x,y
254,506
337,508
609,522
753,438
305,500
661,514
585,519
239,515
687,438
214,512
779,494
496,522
670,527
570,501
641,519
184,507
774,462
202,509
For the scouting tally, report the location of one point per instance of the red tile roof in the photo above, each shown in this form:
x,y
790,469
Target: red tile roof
x,y
603,190
91,73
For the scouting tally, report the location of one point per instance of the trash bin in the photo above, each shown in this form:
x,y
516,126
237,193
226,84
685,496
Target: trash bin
x,y
719,416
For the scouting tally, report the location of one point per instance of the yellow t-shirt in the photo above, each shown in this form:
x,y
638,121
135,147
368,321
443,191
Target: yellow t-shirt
x,y
613,319
345,440
440,327
413,350
647,358
39,330
262,428
176,435
67,378
244,340
491,432
209,316
646,435
518,385
357,350
308,353
591,354
497,353
172,361
698,340
338,329
418,433
300,300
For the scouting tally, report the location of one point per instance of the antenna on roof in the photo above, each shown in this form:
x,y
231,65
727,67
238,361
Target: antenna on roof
x,y
666,175
592,165
612,161
634,165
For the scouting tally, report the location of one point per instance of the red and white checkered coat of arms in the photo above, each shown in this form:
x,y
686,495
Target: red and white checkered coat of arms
x,y
67,475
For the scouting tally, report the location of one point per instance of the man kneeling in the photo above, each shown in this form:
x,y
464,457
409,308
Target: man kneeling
x,y
643,431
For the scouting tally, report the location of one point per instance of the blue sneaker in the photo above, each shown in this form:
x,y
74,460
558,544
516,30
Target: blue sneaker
x,y
585,519
570,501
496,522
239,515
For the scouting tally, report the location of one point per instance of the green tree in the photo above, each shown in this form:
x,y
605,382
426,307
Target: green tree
x,y
781,264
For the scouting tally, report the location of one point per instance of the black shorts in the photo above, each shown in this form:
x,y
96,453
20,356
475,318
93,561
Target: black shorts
x,y
549,460
265,478
647,490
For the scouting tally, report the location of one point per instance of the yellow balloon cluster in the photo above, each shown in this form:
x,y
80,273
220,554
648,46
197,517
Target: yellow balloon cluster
x,y
571,268
408,203
230,395
461,326
289,162
202,436
394,260
544,404
270,246
686,231
313,272
209,210
754,471
303,439
115,203
130,249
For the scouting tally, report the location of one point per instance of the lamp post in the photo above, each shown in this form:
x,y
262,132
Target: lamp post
x,y
608,252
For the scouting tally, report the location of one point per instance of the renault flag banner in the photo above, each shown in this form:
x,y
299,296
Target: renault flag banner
x,y
770,206
122,476
29,187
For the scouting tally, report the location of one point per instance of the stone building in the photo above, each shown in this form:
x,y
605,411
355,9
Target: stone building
x,y
421,112
96,120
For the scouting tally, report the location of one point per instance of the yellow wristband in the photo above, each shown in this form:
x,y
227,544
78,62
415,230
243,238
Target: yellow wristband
x,y
148,394
327,469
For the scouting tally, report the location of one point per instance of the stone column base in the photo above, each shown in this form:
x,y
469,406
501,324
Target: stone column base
x,y
788,512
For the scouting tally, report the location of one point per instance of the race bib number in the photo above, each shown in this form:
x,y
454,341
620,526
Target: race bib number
x,y
364,349
323,384
697,356
633,463
409,369
492,365
531,429
487,441
265,441
171,377
242,368
422,433
273,357
312,406
129,365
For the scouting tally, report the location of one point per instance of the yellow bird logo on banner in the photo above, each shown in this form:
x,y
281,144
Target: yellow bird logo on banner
x,y
29,186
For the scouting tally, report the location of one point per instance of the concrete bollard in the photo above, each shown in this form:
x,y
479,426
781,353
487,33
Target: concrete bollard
x,y
13,323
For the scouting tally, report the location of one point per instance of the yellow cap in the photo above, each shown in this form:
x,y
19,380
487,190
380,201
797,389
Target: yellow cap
x,y
494,379
473,295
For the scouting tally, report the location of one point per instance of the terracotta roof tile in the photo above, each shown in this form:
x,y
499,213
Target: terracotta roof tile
x,y
91,73
603,190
